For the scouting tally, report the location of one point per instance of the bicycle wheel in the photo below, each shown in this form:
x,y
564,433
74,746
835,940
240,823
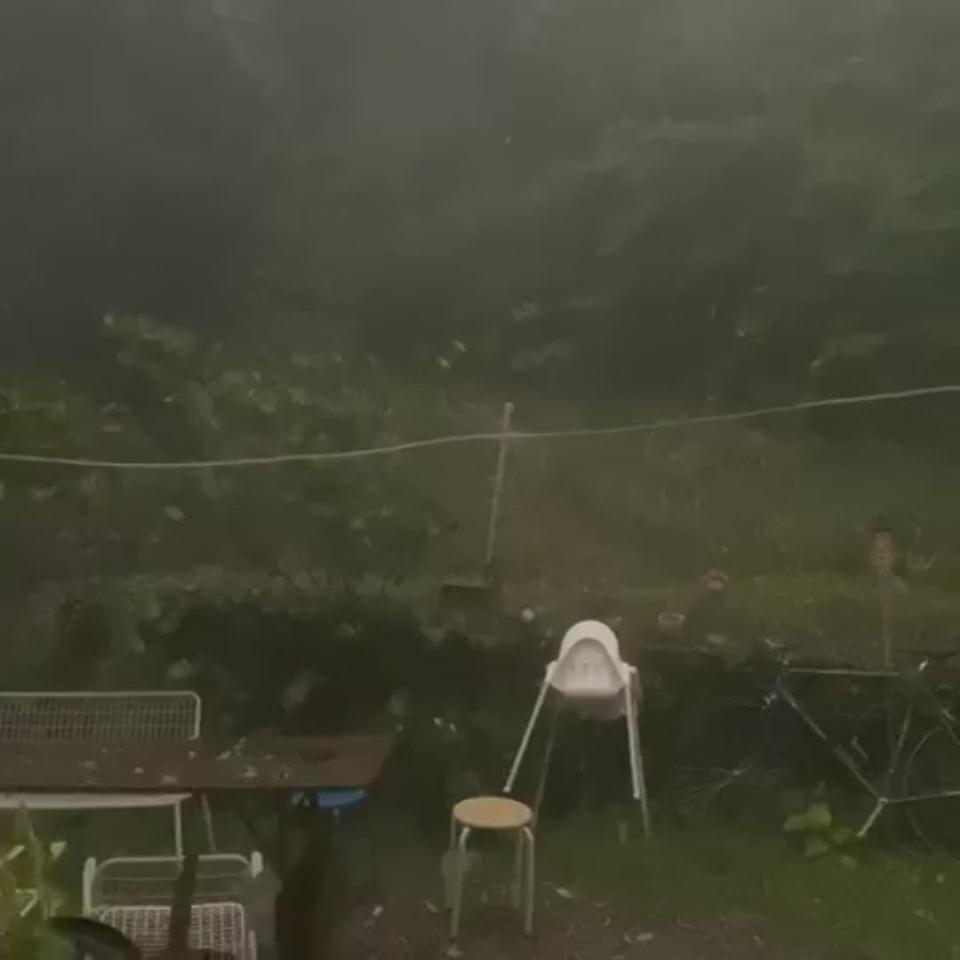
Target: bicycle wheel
x,y
933,768
721,751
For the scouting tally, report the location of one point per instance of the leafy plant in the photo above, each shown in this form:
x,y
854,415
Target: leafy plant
x,y
819,834
291,534
27,894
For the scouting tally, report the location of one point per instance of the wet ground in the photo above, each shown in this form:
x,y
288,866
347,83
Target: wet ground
x,y
405,926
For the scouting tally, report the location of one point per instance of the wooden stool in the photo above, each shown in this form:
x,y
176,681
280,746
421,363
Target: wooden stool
x,y
493,813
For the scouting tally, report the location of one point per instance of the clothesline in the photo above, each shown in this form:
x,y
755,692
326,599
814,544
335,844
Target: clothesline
x,y
464,438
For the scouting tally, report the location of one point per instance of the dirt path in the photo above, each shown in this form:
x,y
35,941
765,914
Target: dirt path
x,y
405,926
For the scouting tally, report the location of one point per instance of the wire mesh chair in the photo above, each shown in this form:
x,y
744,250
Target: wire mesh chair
x,y
220,928
99,717
144,881
93,716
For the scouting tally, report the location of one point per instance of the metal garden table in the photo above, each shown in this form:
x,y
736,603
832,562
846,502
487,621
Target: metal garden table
x,y
277,766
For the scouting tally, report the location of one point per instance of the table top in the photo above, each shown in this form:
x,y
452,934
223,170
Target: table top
x,y
276,763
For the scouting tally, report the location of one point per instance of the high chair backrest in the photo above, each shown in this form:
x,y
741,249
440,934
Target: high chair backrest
x,y
589,664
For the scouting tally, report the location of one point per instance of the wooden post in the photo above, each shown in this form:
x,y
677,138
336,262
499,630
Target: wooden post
x,y
882,559
498,487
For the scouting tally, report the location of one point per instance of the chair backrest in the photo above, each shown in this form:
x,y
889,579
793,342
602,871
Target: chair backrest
x,y
142,881
217,927
57,716
589,664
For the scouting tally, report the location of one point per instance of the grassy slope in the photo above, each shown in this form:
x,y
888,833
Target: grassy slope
x,y
714,891
626,526
893,905
717,889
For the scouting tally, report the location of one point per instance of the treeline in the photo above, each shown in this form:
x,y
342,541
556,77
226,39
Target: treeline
x,y
741,198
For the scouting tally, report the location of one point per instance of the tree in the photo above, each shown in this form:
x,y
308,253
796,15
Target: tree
x,y
142,543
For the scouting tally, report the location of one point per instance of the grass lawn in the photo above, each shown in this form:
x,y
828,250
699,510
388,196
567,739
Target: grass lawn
x,y
709,890
703,892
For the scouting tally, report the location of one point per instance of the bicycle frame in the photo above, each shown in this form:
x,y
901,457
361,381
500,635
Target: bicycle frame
x,y
884,795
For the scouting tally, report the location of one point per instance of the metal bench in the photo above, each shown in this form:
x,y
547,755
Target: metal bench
x,y
99,717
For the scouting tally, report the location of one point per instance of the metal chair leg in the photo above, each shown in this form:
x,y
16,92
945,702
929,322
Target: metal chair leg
x,y
545,769
458,874
527,734
636,760
527,833
208,823
178,829
517,891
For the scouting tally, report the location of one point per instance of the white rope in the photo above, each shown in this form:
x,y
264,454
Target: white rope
x,y
445,441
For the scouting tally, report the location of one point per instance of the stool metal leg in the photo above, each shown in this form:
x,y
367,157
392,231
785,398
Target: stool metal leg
x,y
527,834
459,872
371,844
517,890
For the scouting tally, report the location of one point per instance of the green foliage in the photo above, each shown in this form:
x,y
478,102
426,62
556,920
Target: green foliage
x,y
818,834
133,541
710,195
27,894
898,903
731,195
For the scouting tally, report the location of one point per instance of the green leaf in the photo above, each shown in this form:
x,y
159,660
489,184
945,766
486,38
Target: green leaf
x,y
815,846
795,823
13,853
145,605
264,400
91,484
199,402
211,485
8,899
819,817
840,836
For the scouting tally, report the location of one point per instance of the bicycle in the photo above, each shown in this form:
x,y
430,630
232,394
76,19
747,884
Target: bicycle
x,y
740,741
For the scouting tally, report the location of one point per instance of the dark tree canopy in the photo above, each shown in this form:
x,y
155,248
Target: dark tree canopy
x,y
730,196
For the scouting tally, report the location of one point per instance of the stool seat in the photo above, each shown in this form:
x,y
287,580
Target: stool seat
x,y
492,813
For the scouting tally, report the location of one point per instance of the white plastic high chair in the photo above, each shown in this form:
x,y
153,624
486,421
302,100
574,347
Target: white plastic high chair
x,y
589,675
